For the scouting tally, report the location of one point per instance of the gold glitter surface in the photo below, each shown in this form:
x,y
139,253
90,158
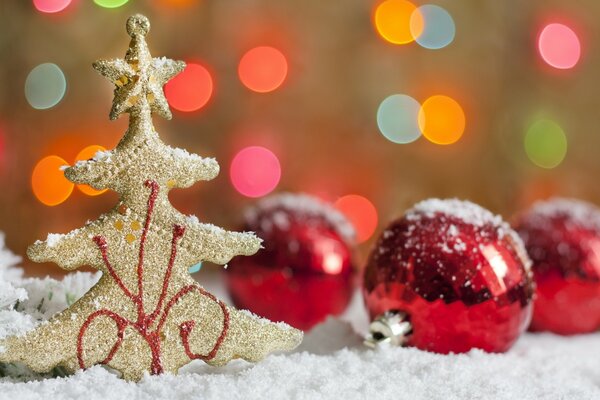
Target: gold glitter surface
x,y
146,308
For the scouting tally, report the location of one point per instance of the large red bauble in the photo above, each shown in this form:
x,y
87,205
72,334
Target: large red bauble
x,y
304,273
563,240
459,273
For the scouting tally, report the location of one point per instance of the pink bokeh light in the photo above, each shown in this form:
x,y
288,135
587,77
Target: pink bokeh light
x,y
559,46
255,171
51,6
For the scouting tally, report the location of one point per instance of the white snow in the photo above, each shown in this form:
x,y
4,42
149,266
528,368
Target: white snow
x,y
182,154
101,155
470,213
303,205
331,363
464,210
53,239
9,272
579,212
160,62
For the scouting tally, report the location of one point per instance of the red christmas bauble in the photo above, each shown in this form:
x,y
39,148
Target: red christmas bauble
x,y
456,273
563,240
305,272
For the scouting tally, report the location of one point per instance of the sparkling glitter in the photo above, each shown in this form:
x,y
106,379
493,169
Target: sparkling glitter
x,y
146,314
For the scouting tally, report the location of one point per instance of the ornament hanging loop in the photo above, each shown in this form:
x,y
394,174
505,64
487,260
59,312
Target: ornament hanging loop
x,y
391,327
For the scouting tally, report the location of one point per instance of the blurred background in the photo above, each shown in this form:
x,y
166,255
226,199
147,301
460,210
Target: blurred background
x,y
372,105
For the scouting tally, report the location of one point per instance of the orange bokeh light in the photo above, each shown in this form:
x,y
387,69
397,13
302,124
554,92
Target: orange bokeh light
x,y
441,120
398,21
263,69
178,3
86,154
361,213
191,89
49,183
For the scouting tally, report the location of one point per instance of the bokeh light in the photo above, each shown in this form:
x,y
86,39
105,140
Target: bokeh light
x,y
86,154
441,120
559,46
195,268
432,27
178,4
398,118
191,89
545,143
49,183
255,171
263,69
110,3
45,86
361,213
51,6
398,21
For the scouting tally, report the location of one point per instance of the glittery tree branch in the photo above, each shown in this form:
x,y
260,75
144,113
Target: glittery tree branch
x,y
146,314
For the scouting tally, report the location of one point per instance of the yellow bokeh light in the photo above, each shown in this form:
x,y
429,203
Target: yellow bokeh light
x,y
398,21
49,183
86,154
441,120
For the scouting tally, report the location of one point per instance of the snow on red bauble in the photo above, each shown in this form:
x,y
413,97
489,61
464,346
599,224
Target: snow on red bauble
x,y
458,275
563,240
305,272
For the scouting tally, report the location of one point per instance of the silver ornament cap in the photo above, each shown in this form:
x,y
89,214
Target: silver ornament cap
x,y
392,328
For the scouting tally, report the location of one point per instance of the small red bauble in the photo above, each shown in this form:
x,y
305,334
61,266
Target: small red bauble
x,y
304,273
449,276
563,240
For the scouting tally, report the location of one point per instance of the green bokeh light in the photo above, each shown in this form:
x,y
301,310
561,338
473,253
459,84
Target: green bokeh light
x,y
110,3
545,144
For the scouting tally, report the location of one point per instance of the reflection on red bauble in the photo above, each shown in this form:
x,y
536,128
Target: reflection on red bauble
x,y
457,274
304,273
563,240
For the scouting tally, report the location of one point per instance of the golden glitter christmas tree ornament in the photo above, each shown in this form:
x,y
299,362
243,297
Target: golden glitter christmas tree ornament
x,y
146,314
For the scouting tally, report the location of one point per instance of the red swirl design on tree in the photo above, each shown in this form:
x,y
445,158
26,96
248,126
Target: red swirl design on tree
x,y
145,321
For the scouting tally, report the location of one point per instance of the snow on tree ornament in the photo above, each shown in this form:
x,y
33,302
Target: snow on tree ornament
x,y
449,276
146,314
562,237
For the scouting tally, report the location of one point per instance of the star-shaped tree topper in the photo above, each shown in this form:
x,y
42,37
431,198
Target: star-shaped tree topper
x,y
139,78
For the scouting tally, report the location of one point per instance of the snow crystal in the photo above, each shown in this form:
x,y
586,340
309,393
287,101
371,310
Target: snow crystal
x,y
103,155
179,153
9,273
265,321
53,239
466,211
160,62
453,230
332,363
213,229
192,220
469,213
580,212
302,204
